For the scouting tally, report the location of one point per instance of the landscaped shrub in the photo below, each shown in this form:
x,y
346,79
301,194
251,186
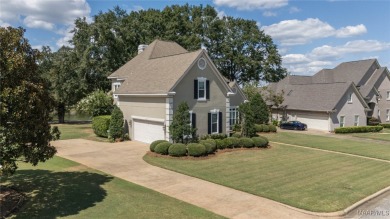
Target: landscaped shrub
x,y
196,150
259,128
155,143
100,125
236,135
162,148
272,128
265,139
387,126
233,142
358,129
237,128
373,121
116,124
177,150
246,142
213,136
220,144
259,142
210,145
265,128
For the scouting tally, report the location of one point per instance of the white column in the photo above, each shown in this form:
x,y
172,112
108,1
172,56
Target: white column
x,y
227,115
168,116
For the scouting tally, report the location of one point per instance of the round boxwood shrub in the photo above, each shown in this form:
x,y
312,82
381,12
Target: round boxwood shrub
x,y
177,150
246,142
155,143
265,128
265,139
220,144
259,142
272,128
100,125
210,145
196,150
235,142
258,128
162,148
236,135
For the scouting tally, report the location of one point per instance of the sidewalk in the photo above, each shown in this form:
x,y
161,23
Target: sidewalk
x,y
124,160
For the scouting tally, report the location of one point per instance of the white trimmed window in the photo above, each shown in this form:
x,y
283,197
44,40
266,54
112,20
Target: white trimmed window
x,y
350,98
233,116
201,88
214,122
388,115
356,120
115,86
342,121
388,95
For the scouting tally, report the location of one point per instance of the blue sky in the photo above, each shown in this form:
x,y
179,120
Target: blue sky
x,y
310,35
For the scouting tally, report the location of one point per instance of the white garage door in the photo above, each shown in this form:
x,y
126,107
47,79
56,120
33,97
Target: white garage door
x,y
316,121
148,131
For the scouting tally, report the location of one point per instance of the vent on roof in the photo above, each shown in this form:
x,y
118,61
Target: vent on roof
x,y
141,48
289,93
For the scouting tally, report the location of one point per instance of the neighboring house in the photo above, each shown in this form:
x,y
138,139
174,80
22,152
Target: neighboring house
x,y
149,88
347,95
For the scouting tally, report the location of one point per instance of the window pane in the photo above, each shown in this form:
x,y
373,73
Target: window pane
x,y
201,85
201,94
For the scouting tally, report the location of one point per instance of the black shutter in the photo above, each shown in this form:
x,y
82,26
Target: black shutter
x,y
220,122
195,89
207,89
193,120
209,124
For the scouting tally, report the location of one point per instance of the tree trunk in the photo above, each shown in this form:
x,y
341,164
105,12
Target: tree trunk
x,y
61,113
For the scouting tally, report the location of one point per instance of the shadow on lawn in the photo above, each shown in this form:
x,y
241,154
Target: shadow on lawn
x,y
57,194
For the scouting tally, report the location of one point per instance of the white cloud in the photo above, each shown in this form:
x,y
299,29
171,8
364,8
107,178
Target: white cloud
x,y
4,24
351,31
137,8
251,4
56,16
269,14
296,32
356,46
325,56
294,10
67,35
220,14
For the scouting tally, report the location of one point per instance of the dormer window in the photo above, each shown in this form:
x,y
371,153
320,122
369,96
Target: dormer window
x,y
115,86
201,89
350,97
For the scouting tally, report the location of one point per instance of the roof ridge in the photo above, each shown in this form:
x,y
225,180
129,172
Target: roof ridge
x,y
175,54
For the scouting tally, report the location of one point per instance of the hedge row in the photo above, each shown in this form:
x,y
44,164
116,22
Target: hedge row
x,y
265,128
205,147
358,129
387,126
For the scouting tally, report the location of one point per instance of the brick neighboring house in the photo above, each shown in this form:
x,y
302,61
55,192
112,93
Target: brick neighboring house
x,y
149,88
347,95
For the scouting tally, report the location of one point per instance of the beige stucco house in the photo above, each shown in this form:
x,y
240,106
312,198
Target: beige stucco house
x,y
149,88
347,95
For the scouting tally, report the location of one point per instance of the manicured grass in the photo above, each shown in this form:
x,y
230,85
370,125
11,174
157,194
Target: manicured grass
x,y
363,148
384,135
62,188
308,179
73,131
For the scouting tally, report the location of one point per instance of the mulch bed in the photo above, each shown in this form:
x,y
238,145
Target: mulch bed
x,y
10,201
210,156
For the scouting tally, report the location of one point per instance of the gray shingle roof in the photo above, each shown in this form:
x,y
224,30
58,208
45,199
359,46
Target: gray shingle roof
x,y
365,89
155,70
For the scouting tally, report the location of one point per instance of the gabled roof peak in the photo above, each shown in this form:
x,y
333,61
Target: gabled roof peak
x,y
159,49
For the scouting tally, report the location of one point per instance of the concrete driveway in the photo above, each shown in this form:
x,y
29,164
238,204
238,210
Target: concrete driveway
x,y
124,160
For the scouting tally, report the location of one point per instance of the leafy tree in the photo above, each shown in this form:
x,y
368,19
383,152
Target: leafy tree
x,y
25,104
60,68
181,127
116,124
259,109
247,120
96,104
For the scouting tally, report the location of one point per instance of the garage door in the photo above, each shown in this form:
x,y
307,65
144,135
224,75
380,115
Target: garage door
x,y
148,131
314,121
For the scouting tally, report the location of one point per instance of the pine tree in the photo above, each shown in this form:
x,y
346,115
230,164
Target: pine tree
x,y
116,124
247,120
181,127
259,108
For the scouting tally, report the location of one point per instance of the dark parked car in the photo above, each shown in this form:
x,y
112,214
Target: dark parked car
x,y
295,125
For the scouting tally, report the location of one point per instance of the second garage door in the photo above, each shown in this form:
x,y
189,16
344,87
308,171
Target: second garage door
x,y
148,131
314,121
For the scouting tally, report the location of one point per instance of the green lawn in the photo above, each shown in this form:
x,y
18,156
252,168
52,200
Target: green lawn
x,y
62,188
363,148
73,131
308,179
384,135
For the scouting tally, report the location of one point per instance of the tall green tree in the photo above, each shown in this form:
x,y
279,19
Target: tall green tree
x,y
116,125
181,129
97,103
25,104
259,109
247,120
